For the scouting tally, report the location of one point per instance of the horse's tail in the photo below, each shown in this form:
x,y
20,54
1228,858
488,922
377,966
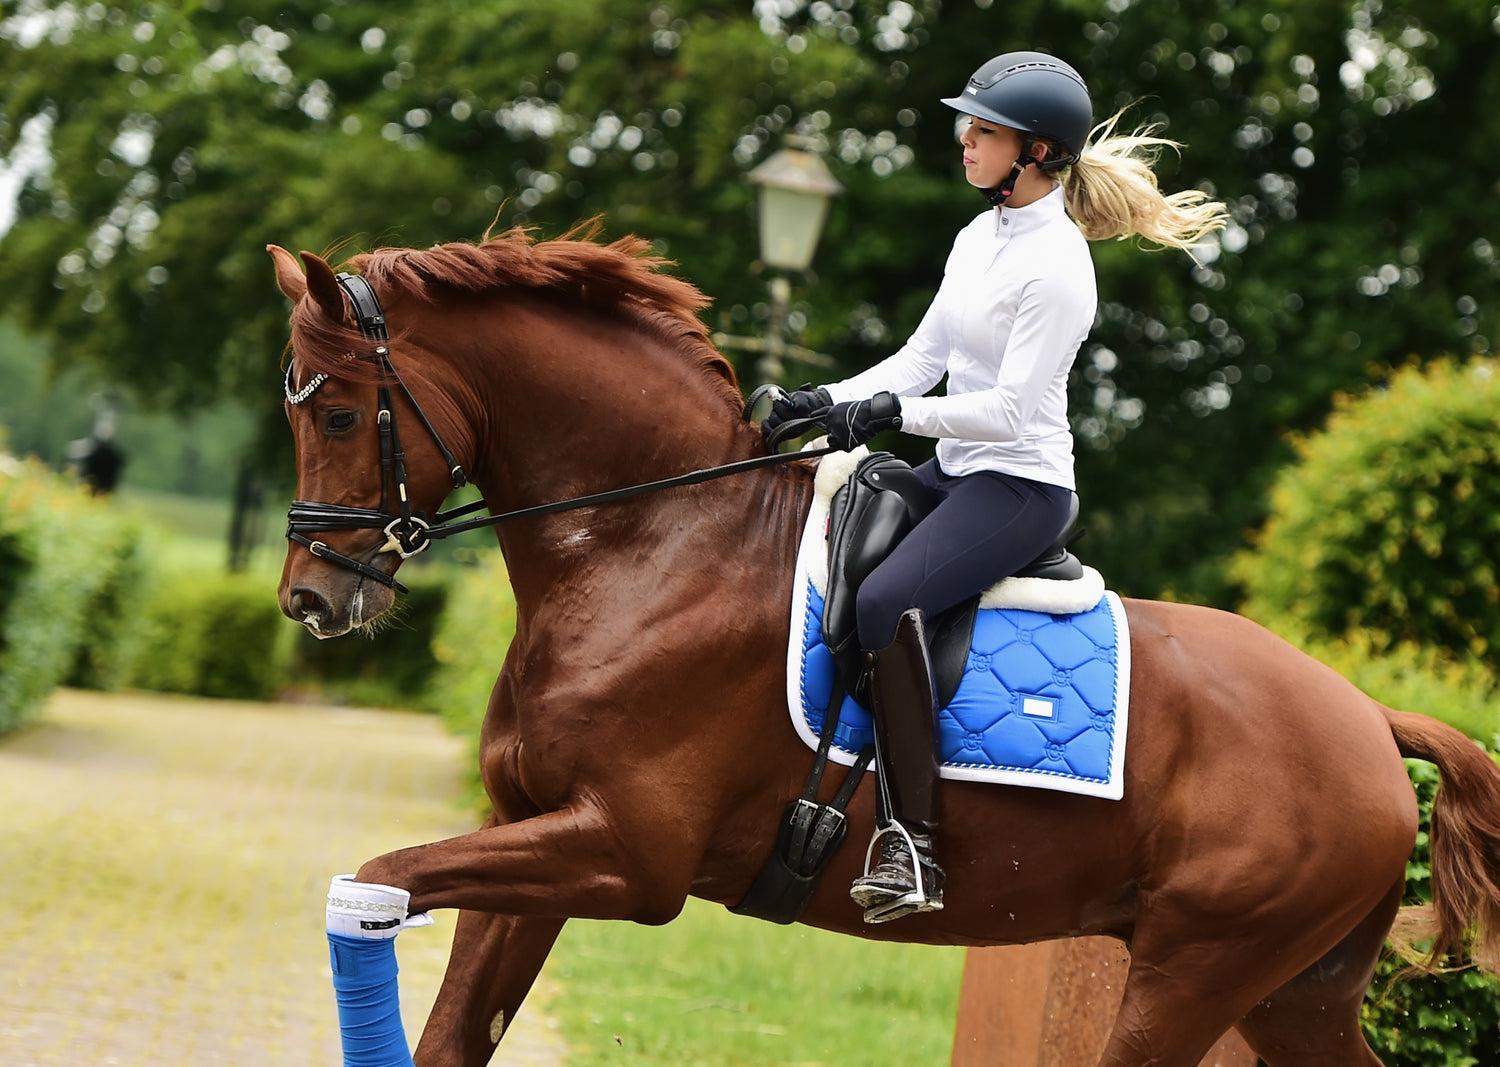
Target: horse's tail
x,y
1464,838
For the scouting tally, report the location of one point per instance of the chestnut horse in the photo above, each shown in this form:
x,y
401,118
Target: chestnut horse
x,y
637,747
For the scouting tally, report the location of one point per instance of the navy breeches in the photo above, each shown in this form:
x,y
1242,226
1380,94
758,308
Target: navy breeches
x,y
988,526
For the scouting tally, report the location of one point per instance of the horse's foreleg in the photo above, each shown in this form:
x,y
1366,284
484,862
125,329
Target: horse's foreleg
x,y
515,885
494,961
574,863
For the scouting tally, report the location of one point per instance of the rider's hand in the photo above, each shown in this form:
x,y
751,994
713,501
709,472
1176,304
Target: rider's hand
x,y
854,422
804,403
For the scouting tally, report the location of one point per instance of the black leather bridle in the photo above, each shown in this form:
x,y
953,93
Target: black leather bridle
x,y
408,533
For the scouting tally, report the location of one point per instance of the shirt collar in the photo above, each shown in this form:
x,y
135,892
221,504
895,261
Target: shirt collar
x,y
1034,216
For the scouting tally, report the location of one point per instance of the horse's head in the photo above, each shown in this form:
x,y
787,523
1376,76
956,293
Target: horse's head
x,y
555,369
363,490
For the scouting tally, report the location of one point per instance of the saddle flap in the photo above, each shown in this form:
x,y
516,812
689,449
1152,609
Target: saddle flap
x,y
878,526
878,506
870,514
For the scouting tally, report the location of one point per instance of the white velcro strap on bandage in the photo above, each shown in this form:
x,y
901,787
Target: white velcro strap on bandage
x,y
368,909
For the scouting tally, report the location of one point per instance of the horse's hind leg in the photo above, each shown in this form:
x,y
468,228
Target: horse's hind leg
x,y
1314,1018
494,961
1194,975
1167,1018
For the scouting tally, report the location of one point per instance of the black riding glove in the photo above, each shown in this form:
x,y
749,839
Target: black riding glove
x,y
804,403
854,422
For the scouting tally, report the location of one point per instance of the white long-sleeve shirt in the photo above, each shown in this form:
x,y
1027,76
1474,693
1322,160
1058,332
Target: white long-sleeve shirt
x,y
1016,302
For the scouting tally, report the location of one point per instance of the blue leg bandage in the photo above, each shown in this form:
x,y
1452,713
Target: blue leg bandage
x,y
364,981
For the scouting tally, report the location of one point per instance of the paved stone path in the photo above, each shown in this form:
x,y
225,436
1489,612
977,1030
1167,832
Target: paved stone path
x,y
163,864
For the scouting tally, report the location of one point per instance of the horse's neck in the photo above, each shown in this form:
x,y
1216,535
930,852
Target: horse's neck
x,y
568,408
719,549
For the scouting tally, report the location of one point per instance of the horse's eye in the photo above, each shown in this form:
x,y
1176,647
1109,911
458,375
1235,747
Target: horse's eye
x,y
338,421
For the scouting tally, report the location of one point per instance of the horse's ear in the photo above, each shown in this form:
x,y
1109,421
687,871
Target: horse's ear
x,y
323,287
288,274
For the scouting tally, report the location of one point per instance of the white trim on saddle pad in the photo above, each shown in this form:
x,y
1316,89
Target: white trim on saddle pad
x,y
1033,594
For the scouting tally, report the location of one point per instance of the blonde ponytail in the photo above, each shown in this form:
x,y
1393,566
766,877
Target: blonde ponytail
x,y
1111,191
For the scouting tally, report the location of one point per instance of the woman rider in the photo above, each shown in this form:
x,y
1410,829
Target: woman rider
x,y
1016,301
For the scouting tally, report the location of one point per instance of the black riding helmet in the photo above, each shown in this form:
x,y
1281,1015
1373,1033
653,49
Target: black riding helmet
x,y
1037,94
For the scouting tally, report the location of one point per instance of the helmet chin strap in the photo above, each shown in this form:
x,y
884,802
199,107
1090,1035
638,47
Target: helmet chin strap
x,y
998,195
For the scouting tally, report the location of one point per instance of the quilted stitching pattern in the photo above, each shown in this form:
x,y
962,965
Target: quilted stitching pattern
x,y
1038,702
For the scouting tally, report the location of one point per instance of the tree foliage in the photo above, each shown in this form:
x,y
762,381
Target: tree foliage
x,y
1353,141
1386,525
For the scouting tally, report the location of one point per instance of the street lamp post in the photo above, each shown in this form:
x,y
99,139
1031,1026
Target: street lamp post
x,y
795,188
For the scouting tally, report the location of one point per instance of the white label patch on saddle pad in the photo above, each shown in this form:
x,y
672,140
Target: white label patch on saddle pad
x,y
1044,699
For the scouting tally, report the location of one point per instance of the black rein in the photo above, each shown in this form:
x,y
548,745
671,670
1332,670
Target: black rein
x,y
408,534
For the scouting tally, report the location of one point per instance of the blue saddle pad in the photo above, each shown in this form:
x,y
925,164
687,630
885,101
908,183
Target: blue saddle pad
x,y
1044,699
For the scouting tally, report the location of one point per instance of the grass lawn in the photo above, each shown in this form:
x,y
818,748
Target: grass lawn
x,y
713,989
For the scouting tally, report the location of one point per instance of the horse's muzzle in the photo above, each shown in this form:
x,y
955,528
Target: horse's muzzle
x,y
331,611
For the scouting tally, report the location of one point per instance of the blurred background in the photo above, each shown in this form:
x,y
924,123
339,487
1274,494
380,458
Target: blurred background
x,y
151,151
1297,422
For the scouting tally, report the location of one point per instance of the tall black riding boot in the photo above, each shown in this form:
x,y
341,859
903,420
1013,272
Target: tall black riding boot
x,y
905,707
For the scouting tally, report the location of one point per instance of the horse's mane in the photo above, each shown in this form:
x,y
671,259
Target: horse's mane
x,y
623,278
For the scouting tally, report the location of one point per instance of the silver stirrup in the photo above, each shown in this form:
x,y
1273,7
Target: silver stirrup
x,y
914,900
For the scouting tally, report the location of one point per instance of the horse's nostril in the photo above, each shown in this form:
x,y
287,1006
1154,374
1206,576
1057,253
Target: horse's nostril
x,y
307,602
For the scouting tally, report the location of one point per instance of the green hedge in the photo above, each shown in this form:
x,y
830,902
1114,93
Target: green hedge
x,y
1387,525
1446,1020
470,644
393,664
197,629
83,603
208,633
109,619
61,551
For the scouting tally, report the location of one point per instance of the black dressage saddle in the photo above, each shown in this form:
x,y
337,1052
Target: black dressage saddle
x,y
869,515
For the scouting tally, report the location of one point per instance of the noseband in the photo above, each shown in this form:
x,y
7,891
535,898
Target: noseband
x,y
408,534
